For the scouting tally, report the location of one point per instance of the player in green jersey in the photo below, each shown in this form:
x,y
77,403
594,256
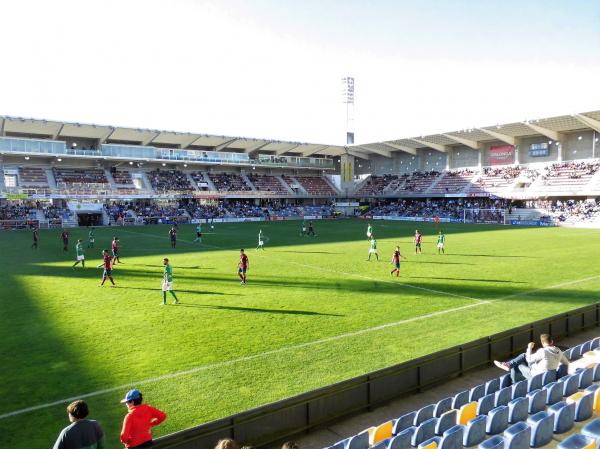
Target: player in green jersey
x,y
167,285
261,240
198,233
441,240
369,231
373,248
303,228
79,254
91,237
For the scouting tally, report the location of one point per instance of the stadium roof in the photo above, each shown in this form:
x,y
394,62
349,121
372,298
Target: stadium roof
x,y
150,137
553,128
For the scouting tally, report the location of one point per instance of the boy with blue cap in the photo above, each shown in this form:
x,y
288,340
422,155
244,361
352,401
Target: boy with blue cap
x,y
138,422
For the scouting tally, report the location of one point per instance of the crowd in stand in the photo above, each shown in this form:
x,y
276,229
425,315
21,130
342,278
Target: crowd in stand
x,y
229,182
573,210
17,212
169,181
572,169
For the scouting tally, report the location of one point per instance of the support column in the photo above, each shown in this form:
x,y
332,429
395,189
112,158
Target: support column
x,y
560,151
347,172
479,159
449,158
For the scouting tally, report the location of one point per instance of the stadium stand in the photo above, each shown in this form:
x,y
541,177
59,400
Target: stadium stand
x,y
267,183
33,177
418,182
376,185
229,182
454,181
69,176
551,409
315,185
122,178
169,181
443,208
16,212
558,176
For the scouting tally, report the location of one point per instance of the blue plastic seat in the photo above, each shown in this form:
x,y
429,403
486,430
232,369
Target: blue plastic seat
x,y
403,439
403,423
474,432
517,436
562,371
491,386
586,347
548,377
496,442
340,444
554,392
592,429
570,385
592,388
577,441
586,377
445,422
442,407
383,444
517,410
505,381
503,396
584,407
425,431
360,441
519,389
452,438
564,416
535,383
423,414
569,354
537,401
476,393
485,404
497,420
576,353
595,343
542,426
460,399
596,374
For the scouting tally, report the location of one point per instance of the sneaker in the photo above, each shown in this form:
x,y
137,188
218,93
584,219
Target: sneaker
x,y
176,301
163,303
502,365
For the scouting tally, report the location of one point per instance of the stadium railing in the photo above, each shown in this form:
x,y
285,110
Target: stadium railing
x,y
275,422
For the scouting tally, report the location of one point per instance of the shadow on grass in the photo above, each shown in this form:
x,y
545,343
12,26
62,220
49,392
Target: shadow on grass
x,y
258,310
466,279
197,292
492,255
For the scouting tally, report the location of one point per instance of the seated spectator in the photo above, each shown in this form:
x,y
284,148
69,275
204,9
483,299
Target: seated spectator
x,y
528,364
227,443
81,433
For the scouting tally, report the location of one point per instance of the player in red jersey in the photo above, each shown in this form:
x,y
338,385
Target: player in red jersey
x,y
396,261
173,236
107,264
436,220
243,267
36,238
418,238
65,238
115,251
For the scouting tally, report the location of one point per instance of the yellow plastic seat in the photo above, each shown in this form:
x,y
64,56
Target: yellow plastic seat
x,y
466,413
574,397
381,432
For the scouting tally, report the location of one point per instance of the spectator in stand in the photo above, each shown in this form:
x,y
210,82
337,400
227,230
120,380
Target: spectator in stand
x,y
529,364
290,445
227,443
82,433
139,421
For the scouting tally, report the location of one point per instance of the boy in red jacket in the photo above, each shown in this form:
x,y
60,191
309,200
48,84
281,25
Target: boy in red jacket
x,y
139,421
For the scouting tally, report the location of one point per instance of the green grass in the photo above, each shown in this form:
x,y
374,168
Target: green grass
x,y
312,313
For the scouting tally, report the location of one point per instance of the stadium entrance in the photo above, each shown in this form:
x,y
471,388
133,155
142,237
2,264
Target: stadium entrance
x,y
89,219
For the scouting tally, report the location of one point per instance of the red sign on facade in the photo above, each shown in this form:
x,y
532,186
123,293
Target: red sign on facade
x,y
502,155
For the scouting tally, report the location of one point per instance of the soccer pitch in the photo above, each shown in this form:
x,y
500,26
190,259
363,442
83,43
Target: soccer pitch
x,y
314,312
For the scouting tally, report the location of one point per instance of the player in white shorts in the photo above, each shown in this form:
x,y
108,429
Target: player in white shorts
x,y
369,231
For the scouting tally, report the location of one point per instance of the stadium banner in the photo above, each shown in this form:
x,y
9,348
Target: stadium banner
x,y
424,219
531,223
346,204
16,196
77,206
225,220
502,155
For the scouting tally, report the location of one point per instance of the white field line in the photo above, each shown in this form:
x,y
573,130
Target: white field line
x,y
278,351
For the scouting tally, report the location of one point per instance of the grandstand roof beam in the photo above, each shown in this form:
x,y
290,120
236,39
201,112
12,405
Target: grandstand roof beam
x,y
357,154
554,135
496,135
256,147
105,137
307,153
188,142
435,146
375,150
2,122
466,142
285,150
404,148
57,133
149,140
224,145
592,123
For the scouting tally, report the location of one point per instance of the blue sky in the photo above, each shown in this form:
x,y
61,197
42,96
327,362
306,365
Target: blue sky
x,y
273,68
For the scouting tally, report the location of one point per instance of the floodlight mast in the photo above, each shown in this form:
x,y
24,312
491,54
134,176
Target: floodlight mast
x,y
348,98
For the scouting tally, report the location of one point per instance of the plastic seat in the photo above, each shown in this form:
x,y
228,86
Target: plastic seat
x,y
360,441
425,431
595,390
340,444
517,410
496,442
517,436
576,352
466,413
564,416
519,389
592,429
423,414
497,420
491,386
485,404
503,396
562,371
586,347
460,399
595,343
570,385
596,374
537,401
430,443
442,407
383,444
452,438
554,392
474,431
476,393
542,426
381,432
535,383
403,439
569,354
445,422
404,422
586,377
577,441
549,377
505,381
584,403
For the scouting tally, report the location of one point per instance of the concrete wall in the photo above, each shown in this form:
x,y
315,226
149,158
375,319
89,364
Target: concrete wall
x,y
399,163
463,156
432,159
575,148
